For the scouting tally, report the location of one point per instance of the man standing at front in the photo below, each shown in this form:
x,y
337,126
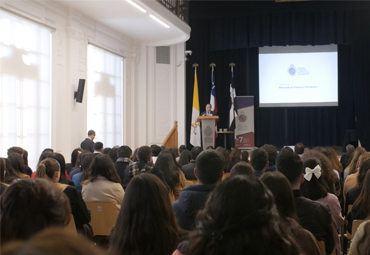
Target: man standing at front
x,y
88,143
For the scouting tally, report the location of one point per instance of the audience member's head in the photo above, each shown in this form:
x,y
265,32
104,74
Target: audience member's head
x,y
25,157
48,169
86,162
62,163
242,168
16,160
98,147
74,156
162,147
280,188
134,156
176,152
290,164
350,148
286,148
102,166
299,148
124,152
113,154
209,167
156,150
15,149
353,165
245,156
313,187
91,134
365,167
144,154
29,206
235,155
54,240
166,164
239,213
259,159
272,152
185,158
146,194
334,160
210,147
363,200
10,173
182,148
195,151
227,158
45,154
107,150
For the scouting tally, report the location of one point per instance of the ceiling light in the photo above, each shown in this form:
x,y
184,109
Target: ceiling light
x,y
136,5
159,21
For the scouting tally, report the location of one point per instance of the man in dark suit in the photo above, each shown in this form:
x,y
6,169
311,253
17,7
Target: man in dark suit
x,y
123,160
208,111
88,143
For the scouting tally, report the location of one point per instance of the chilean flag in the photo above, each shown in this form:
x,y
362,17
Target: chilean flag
x,y
213,101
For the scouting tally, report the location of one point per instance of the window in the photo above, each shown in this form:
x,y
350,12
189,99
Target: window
x,y
104,95
25,89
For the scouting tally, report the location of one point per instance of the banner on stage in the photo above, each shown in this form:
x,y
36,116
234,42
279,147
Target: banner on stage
x,y
244,122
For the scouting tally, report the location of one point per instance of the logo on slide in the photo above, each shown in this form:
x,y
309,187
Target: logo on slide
x,y
242,117
292,70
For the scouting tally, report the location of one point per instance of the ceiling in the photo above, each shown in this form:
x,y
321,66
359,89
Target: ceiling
x,y
124,18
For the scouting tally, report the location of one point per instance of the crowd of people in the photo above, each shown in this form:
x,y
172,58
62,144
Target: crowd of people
x,y
176,201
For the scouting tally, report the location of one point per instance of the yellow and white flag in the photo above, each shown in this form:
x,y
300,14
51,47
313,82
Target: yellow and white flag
x,y
195,125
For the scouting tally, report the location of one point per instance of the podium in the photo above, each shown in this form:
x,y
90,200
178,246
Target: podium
x,y
208,130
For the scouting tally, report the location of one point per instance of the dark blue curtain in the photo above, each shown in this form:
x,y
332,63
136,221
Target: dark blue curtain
x,y
224,32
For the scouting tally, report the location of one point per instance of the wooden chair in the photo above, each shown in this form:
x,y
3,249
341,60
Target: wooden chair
x,y
103,217
71,227
322,247
348,236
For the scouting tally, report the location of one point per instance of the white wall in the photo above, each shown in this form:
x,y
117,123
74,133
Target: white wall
x,y
154,94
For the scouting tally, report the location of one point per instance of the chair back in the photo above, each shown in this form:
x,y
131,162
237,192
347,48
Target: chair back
x,y
355,225
103,217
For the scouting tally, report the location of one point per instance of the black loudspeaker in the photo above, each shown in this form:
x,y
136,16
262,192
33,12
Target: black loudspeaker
x,y
79,94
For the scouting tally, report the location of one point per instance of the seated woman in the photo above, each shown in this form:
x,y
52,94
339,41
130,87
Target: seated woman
x,y
240,217
175,178
361,208
60,158
315,188
50,169
17,164
86,161
37,204
280,187
146,223
104,184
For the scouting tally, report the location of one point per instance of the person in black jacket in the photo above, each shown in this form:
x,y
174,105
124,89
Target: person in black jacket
x,y
144,165
123,160
88,143
209,167
313,215
188,169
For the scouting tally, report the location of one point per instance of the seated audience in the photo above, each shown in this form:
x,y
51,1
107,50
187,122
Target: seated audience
x,y
24,154
361,241
361,208
106,150
299,148
352,180
314,188
10,174
44,155
155,152
29,206
182,148
74,156
78,163
242,168
146,214
123,160
144,165
63,179
113,154
209,167
279,186
3,185
185,158
174,177
239,218
354,193
313,215
17,163
259,162
98,147
56,241
78,178
245,156
188,169
50,169
235,156
104,184
272,152
334,160
352,167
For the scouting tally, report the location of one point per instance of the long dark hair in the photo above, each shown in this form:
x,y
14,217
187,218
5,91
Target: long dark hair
x,y
11,174
364,168
316,188
74,156
86,161
25,157
166,164
239,213
363,199
17,163
102,165
146,216
47,169
185,158
59,157
280,188
28,206
45,154
226,155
